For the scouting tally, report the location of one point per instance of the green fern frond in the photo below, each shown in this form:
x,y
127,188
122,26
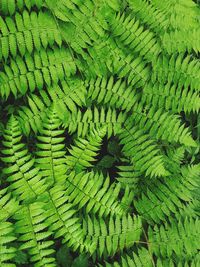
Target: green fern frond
x,y
143,152
10,7
25,180
127,175
83,153
128,30
32,229
112,236
171,97
181,41
161,125
149,14
66,97
179,70
95,193
44,67
181,238
115,94
61,218
141,258
168,196
50,154
28,31
8,204
7,251
94,118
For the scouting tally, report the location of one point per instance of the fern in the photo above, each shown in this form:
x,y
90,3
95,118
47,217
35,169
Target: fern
x,y
7,252
32,229
25,180
26,32
119,234
100,131
35,72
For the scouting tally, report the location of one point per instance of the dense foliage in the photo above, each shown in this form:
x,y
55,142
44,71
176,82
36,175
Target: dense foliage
x,y
100,131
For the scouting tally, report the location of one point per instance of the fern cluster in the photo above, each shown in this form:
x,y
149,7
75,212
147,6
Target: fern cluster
x,y
100,133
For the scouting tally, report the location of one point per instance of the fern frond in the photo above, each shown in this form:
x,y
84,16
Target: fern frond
x,y
28,31
32,229
112,236
83,153
61,218
44,67
24,178
93,118
171,97
80,13
10,7
181,238
65,96
141,258
149,14
168,196
50,150
143,152
161,125
181,14
181,41
94,192
127,175
7,251
128,30
179,70
8,204
115,94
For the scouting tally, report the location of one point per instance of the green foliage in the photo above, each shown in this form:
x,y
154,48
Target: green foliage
x,y
100,133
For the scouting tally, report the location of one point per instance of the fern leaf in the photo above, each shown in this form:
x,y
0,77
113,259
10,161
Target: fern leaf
x,y
83,153
43,68
7,251
92,191
113,236
25,179
94,118
8,204
50,150
143,152
32,229
28,31
181,238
